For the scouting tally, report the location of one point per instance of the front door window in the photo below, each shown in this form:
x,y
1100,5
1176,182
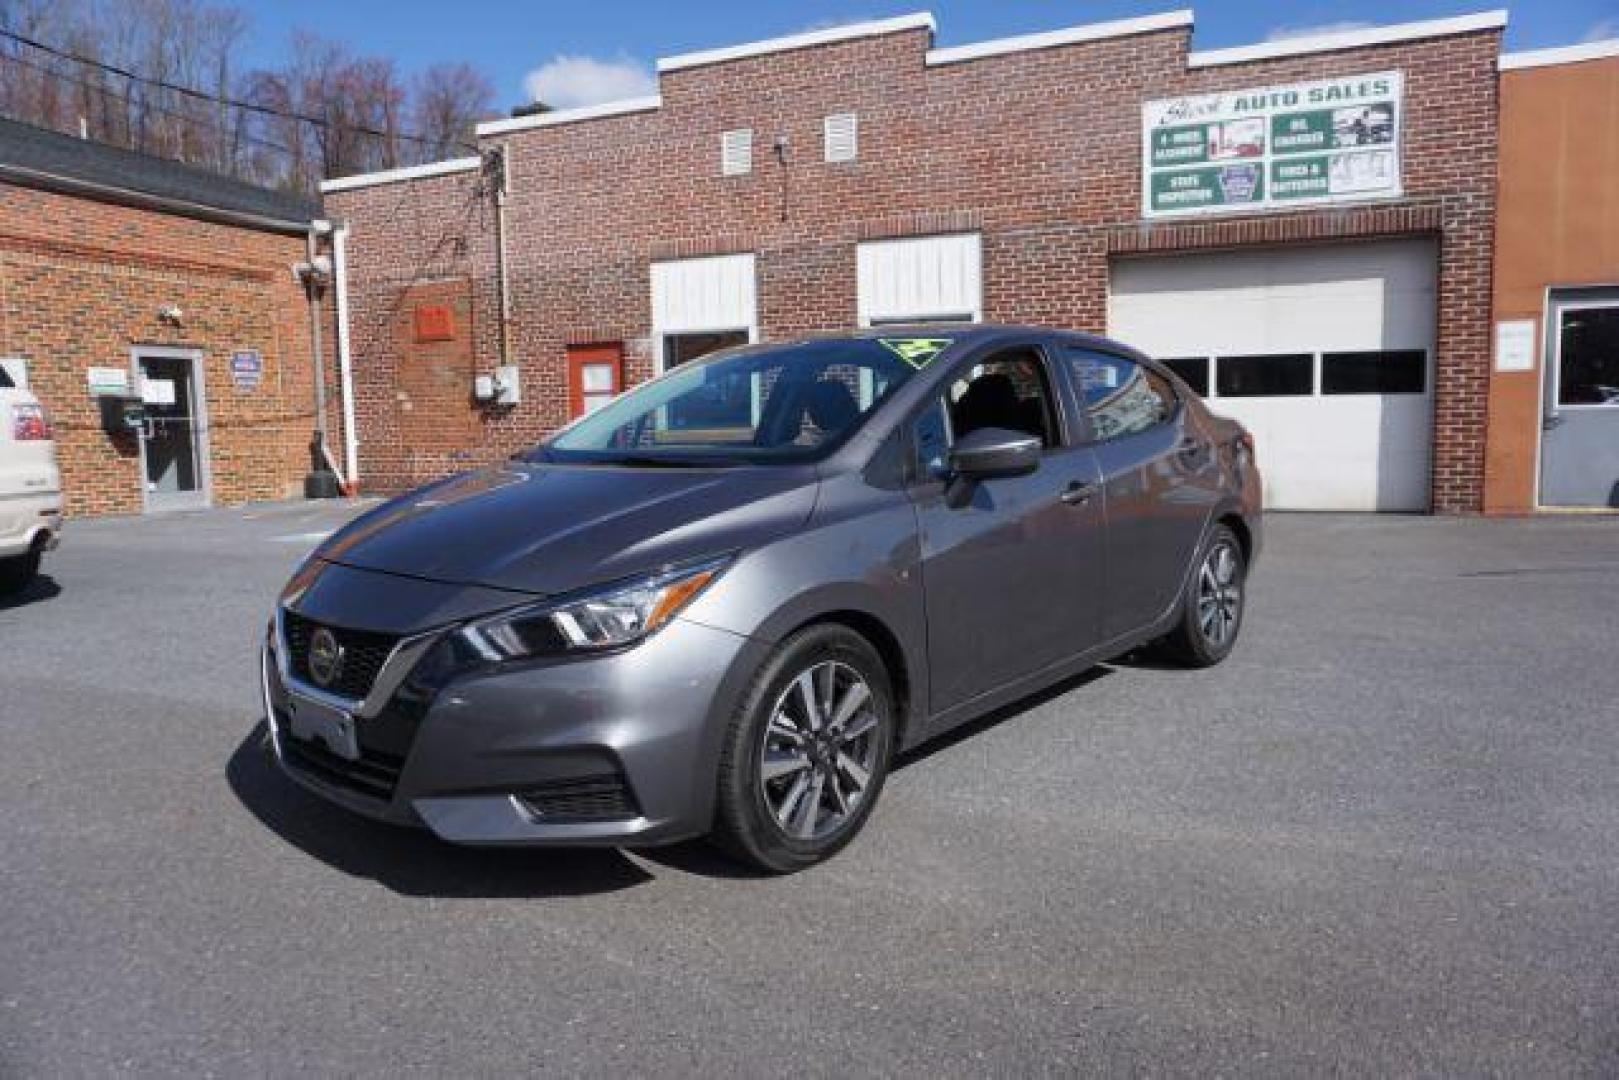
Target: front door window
x,y
171,444
1588,361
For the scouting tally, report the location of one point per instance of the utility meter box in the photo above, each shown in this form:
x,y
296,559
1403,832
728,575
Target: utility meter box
x,y
508,385
121,413
504,387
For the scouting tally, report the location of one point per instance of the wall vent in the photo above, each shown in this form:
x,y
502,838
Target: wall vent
x,y
736,152
842,137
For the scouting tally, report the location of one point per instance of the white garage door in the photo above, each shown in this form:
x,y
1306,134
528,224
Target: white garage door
x,y
1326,354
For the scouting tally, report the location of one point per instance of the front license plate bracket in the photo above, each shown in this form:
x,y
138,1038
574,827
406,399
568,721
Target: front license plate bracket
x,y
315,721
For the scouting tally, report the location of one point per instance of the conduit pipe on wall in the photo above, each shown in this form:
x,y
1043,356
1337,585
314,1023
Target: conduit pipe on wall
x,y
312,273
351,439
500,160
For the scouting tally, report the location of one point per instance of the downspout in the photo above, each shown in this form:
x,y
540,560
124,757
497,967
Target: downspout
x,y
351,439
321,455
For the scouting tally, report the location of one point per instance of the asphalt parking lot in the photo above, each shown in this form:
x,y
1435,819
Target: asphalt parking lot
x,y
1383,838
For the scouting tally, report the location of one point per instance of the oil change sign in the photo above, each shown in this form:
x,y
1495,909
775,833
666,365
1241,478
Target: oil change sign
x,y
1273,147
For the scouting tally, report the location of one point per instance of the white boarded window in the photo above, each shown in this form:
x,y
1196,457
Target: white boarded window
x,y
842,132
921,278
712,299
736,152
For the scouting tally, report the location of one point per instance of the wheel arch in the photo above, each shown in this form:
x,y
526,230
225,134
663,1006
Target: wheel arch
x,y
889,650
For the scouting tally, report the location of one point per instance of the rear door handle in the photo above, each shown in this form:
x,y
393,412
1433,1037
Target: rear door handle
x,y
1078,493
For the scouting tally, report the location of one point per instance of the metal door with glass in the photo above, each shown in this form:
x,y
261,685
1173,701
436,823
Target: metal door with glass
x,y
1579,445
173,454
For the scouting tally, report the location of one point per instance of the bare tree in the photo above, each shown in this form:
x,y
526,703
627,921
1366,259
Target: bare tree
x,y
325,112
450,100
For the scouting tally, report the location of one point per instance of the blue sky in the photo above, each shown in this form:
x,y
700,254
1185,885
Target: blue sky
x,y
575,51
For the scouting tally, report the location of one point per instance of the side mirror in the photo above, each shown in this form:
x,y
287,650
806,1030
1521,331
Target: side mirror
x,y
992,452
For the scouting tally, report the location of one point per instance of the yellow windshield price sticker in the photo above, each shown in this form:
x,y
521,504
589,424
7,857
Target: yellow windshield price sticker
x,y
916,352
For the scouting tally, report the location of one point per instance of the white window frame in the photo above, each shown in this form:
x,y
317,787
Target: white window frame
x,y
1559,308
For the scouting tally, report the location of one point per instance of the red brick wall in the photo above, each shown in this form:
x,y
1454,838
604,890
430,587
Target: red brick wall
x,y
81,283
1038,150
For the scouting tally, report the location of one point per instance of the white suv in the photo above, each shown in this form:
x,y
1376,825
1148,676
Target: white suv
x,y
30,486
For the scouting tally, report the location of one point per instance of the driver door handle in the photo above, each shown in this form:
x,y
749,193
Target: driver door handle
x,y
1078,493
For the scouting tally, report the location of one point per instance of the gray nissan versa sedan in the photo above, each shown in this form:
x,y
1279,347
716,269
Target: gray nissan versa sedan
x,y
721,603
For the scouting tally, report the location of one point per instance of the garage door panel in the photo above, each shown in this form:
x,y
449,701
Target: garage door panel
x,y
1319,452
1305,469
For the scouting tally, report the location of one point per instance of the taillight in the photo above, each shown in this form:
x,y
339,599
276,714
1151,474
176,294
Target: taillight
x,y
1247,441
29,423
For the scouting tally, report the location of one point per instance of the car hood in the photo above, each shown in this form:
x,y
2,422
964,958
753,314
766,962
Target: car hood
x,y
546,529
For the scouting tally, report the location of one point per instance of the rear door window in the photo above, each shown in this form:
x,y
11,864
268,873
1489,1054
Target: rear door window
x,y
1120,396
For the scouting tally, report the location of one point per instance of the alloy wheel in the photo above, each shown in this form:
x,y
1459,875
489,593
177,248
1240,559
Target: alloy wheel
x,y
1219,594
820,750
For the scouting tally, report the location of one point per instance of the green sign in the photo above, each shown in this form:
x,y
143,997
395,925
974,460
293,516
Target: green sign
x,y
1219,185
1294,133
1269,147
1299,178
1180,145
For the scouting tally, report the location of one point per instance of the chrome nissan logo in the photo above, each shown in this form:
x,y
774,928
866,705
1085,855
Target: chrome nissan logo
x,y
325,657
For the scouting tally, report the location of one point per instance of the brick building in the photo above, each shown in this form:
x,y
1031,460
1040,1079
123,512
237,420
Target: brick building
x,y
1554,402
127,276
1305,228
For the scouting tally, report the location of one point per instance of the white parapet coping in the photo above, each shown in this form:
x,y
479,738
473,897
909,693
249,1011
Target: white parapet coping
x,y
1073,35
391,176
920,20
571,116
1350,39
1567,54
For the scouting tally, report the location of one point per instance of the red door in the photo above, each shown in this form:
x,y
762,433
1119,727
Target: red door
x,y
595,376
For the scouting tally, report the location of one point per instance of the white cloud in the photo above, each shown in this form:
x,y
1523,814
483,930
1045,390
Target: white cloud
x,y
566,82
1602,30
1286,33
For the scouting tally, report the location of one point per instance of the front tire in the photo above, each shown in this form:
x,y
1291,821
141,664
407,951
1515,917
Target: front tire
x,y
1213,606
806,754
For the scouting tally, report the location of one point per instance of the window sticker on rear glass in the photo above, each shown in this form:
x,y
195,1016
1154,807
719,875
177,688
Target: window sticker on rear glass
x,y
917,352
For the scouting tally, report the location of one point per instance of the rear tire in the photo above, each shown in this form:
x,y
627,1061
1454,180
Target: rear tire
x,y
807,752
1213,604
18,572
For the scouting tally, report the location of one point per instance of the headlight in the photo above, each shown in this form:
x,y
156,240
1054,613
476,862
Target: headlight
x,y
617,616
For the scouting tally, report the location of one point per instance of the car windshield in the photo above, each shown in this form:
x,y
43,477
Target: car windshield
x,y
753,405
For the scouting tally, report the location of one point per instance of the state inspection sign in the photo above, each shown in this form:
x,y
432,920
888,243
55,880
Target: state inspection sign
x,y
1274,147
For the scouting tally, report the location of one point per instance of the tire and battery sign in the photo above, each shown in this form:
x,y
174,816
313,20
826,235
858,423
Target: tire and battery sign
x,y
1273,148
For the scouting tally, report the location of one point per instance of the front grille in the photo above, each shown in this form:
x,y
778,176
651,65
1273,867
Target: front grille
x,y
364,653
605,797
375,774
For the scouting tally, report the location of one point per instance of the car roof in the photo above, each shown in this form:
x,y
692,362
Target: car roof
x,y
973,333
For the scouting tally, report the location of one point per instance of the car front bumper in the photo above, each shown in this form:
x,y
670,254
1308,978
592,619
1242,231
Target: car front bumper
x,y
615,749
